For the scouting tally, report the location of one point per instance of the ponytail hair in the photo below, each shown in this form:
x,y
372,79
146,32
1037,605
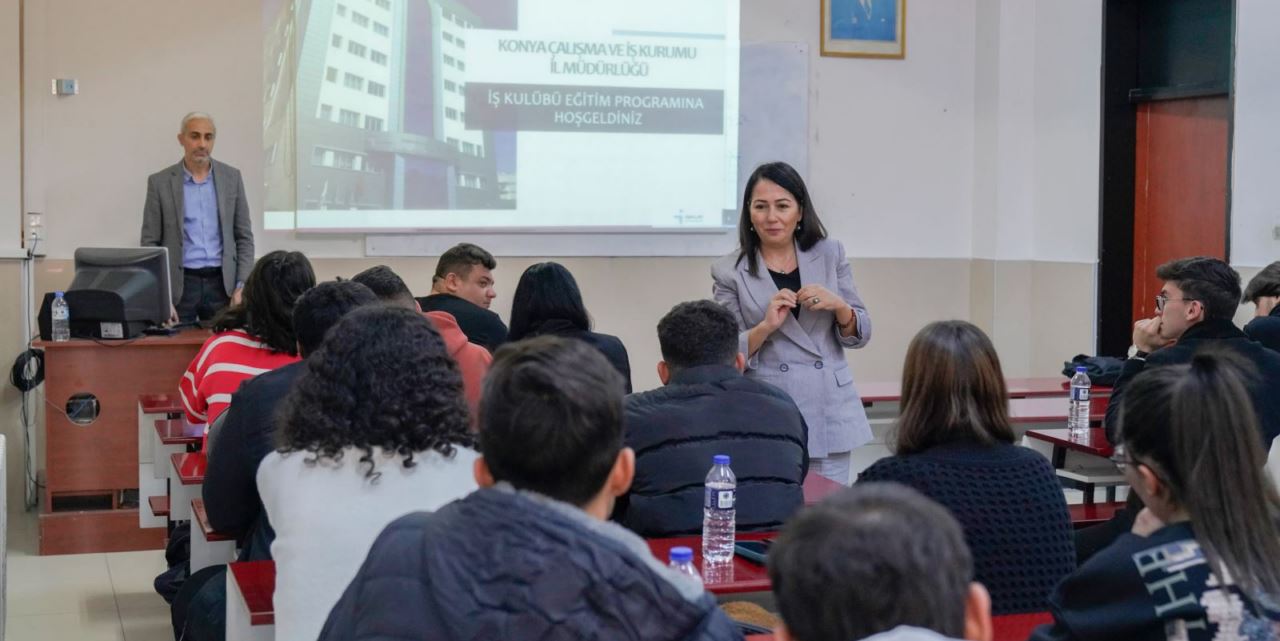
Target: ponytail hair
x,y
1195,425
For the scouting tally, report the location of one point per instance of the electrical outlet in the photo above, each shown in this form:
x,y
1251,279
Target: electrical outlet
x,y
1275,232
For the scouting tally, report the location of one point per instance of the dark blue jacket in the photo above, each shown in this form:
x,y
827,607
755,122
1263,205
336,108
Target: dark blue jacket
x,y
502,564
1266,329
1264,389
1153,589
704,411
1010,504
247,435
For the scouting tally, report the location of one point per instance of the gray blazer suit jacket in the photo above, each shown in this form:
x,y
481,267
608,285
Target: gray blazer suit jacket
x,y
804,357
162,223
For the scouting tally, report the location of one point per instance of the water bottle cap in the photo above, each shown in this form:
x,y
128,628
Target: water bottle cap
x,y
57,294
1080,369
681,554
720,459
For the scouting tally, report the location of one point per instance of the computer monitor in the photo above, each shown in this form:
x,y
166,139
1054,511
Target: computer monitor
x,y
119,291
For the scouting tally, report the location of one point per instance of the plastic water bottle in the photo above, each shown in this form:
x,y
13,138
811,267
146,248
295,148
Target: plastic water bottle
x,y
1078,409
719,513
61,318
682,562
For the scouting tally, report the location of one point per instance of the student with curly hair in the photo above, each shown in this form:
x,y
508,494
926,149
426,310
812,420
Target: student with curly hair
x,y
375,428
251,337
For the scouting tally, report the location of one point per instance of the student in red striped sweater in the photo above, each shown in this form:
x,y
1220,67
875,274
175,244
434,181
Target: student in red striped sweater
x,y
250,338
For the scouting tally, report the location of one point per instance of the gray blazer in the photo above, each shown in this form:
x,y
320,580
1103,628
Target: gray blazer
x,y
804,357
162,223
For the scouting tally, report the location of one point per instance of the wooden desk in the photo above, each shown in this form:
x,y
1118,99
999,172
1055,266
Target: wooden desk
x,y
818,487
185,480
1052,410
1035,387
208,547
1017,627
1096,446
1010,627
91,470
741,575
251,615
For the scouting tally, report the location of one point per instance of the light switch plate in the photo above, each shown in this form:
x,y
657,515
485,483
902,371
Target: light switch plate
x,y
66,86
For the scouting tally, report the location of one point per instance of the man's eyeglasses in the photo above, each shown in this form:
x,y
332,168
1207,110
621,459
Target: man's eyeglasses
x,y
1161,299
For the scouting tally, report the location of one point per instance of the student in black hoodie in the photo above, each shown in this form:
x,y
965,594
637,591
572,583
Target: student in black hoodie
x,y
1264,292
1203,558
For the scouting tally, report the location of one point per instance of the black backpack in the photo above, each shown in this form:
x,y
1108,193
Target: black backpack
x,y
1102,370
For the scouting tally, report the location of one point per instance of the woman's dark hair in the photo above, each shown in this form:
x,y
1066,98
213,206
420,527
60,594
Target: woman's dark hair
x,y
546,291
809,230
1195,427
868,559
953,390
266,304
382,378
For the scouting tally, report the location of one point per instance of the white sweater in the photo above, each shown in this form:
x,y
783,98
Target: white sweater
x,y
326,517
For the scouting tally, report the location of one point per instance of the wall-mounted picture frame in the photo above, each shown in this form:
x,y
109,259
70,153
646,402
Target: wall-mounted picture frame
x,y
864,28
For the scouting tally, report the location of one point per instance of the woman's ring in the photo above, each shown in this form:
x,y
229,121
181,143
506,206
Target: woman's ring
x,y
815,300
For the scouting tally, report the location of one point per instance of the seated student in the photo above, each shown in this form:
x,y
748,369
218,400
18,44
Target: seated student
x,y
473,360
463,287
1264,292
876,559
249,338
1195,308
708,407
547,301
954,444
375,428
247,434
531,556
1203,559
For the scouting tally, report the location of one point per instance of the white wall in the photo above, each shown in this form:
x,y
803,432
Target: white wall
x,y
1038,130
1255,190
891,141
10,128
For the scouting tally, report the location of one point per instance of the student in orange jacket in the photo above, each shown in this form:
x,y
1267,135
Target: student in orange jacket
x,y
473,360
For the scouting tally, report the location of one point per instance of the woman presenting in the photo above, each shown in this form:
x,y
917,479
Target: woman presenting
x,y
792,291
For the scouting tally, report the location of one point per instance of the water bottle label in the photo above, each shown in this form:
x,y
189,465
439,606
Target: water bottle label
x,y
1079,393
719,499
725,499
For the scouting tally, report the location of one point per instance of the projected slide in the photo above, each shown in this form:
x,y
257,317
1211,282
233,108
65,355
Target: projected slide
x,y
614,115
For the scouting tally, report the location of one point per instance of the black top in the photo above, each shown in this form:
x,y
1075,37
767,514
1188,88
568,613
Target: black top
x,y
481,326
1266,329
247,436
703,411
1155,588
1217,333
610,346
791,281
1009,502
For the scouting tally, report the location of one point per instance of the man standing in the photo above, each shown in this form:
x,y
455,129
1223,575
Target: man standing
x,y
198,210
463,286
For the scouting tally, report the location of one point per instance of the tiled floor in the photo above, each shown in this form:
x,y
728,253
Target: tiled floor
x,y
81,596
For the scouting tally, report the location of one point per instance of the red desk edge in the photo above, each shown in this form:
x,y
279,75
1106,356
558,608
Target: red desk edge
x,y
257,583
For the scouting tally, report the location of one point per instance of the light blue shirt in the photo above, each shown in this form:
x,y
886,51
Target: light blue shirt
x,y
201,234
